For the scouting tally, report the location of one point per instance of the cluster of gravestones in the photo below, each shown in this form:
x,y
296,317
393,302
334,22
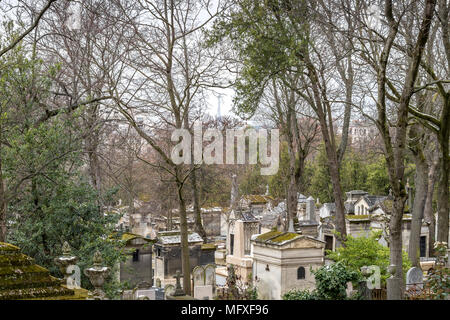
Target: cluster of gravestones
x,y
204,287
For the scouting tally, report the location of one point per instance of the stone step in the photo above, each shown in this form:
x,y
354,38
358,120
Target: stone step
x,y
34,293
30,281
16,259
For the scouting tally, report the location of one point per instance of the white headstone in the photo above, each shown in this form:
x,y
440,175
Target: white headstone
x,y
149,293
200,292
198,275
210,275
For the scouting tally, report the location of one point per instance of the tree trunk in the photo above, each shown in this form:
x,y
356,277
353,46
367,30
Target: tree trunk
x,y
3,205
429,216
443,199
330,148
197,212
395,243
421,184
292,201
184,241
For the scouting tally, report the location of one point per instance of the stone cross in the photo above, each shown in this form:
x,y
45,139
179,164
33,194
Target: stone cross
x,y
178,290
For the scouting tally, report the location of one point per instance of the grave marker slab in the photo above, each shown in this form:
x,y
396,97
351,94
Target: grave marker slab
x,y
414,278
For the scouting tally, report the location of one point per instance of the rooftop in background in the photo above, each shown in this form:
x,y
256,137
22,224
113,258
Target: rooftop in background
x,y
174,237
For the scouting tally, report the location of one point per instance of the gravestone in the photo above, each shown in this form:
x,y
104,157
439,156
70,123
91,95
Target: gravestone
x,y
364,291
198,275
169,290
210,275
311,209
203,292
128,295
151,294
204,281
349,289
414,278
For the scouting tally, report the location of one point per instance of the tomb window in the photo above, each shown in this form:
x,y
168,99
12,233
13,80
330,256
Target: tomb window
x,y
136,256
300,273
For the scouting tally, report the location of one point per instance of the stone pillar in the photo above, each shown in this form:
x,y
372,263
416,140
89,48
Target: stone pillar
x,y
394,285
66,260
97,276
239,240
311,209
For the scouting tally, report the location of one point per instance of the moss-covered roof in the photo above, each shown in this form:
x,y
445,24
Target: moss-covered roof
x,y
357,217
277,237
256,199
208,246
21,278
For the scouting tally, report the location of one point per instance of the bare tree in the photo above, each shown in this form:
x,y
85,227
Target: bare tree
x,y
163,74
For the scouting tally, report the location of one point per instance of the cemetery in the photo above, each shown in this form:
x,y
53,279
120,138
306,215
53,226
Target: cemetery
x,y
224,150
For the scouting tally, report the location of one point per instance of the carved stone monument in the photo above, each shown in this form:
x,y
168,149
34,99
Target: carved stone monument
x,y
97,276
414,278
66,260
394,285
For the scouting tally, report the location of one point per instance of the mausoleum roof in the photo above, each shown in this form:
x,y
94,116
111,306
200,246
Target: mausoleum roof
x,y
280,238
22,279
174,237
257,199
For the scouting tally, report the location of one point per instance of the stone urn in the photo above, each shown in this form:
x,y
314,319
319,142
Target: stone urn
x,y
97,276
66,260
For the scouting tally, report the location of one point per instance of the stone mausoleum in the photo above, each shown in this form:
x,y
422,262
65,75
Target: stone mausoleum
x,y
282,261
167,251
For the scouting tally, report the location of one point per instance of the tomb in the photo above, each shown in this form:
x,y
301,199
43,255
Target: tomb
x,y
167,251
137,268
22,279
242,228
282,261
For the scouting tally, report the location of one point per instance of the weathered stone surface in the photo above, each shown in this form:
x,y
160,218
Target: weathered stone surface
x,y
414,277
200,292
21,278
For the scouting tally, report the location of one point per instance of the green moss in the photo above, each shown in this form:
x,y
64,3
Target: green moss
x,y
20,278
268,235
4,247
277,236
357,217
284,237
